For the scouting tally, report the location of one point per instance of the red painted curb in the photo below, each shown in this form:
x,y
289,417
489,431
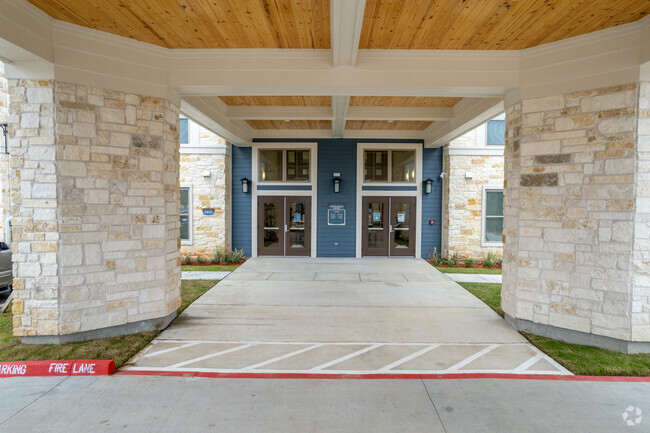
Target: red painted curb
x,y
383,376
75,367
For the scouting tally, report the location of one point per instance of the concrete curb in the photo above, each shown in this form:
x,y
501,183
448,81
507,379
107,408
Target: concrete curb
x,y
76,367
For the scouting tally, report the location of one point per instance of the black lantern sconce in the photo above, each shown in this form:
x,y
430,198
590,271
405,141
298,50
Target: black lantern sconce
x,y
244,185
428,186
337,184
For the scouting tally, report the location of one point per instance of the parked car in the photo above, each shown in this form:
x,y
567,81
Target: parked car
x,y
6,276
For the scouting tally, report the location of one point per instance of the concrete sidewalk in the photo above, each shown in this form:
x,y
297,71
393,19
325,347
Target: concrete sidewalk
x,y
178,404
475,278
341,316
204,275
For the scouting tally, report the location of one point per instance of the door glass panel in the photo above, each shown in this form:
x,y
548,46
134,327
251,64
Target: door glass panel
x,y
401,228
271,225
296,226
297,165
375,225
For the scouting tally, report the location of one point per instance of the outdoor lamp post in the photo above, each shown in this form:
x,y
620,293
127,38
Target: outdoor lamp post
x,y
244,185
428,186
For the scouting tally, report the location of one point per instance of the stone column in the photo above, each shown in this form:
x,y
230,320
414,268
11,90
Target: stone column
x,y
577,217
95,193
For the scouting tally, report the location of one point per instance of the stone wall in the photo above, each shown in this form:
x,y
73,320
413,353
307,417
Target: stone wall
x,y
95,208
462,210
209,232
576,205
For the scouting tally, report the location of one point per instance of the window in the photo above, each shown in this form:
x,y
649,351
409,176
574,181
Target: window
x,y
493,216
183,132
496,133
184,211
276,165
389,166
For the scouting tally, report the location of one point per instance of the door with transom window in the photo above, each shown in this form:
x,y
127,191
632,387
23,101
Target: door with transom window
x,y
283,226
388,226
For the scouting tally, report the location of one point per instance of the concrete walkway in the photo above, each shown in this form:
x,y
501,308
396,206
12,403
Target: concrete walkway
x,y
178,404
475,278
343,316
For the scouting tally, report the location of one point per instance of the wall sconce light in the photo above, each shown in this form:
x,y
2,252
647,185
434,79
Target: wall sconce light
x,y
244,185
337,184
428,186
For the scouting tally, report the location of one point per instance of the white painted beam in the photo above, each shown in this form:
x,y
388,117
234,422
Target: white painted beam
x,y
400,113
468,114
408,134
211,114
340,106
279,113
346,20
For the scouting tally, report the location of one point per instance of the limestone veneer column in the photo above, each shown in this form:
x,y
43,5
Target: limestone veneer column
x,y
95,194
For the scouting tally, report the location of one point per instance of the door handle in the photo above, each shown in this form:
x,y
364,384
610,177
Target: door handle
x,y
390,229
285,228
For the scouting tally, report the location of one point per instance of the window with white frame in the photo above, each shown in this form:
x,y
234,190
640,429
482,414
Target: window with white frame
x,y
493,216
280,165
389,166
496,132
185,214
184,130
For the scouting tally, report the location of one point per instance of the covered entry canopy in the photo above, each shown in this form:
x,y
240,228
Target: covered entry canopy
x,y
427,70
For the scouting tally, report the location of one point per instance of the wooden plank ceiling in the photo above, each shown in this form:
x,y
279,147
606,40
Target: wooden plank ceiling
x,y
278,101
489,24
293,124
387,24
402,101
401,125
203,23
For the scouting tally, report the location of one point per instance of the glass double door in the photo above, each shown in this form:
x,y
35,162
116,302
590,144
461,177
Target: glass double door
x,y
284,226
388,226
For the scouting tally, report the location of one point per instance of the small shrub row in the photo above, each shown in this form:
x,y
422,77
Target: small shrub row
x,y
220,257
453,261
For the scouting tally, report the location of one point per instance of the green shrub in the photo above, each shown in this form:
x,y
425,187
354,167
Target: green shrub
x,y
452,261
499,262
435,258
489,260
218,256
200,260
187,260
469,263
237,256
226,259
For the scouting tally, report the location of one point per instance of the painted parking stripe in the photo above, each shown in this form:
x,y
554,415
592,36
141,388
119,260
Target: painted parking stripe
x,y
212,355
280,358
346,357
409,358
171,349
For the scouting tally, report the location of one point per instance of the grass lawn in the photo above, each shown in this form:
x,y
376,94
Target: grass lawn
x,y
120,349
582,360
469,271
215,268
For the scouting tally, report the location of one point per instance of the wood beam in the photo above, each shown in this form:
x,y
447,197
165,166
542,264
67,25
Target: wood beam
x,y
211,114
346,20
468,114
340,106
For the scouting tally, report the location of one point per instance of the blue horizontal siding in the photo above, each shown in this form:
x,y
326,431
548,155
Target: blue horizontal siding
x,y
432,203
241,203
284,187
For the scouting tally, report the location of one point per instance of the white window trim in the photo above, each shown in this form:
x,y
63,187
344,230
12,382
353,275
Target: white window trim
x,y
487,188
313,177
389,168
284,148
417,192
190,217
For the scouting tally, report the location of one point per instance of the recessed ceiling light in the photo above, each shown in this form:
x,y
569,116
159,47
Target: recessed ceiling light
x,y
390,121
287,120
